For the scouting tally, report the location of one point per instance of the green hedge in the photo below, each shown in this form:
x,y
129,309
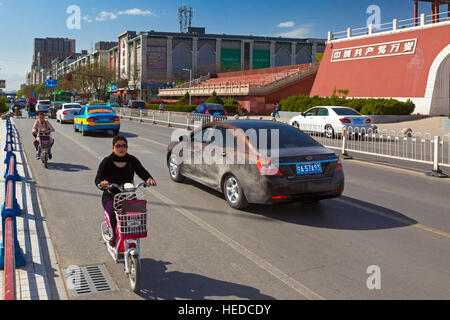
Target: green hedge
x,y
369,106
4,108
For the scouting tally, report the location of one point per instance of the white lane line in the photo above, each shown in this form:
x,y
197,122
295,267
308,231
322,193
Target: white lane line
x,y
277,273
265,265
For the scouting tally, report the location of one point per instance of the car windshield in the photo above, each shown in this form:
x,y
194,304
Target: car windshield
x,y
100,110
346,112
72,106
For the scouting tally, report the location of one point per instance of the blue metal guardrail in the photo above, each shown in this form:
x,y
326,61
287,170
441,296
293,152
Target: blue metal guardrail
x,y
10,208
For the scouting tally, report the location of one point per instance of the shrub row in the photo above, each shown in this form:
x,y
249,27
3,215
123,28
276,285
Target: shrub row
x,y
369,106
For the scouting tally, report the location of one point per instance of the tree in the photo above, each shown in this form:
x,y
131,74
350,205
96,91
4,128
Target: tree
x,y
184,100
214,99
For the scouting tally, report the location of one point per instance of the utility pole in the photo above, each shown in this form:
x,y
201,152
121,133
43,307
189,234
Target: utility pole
x,y
190,85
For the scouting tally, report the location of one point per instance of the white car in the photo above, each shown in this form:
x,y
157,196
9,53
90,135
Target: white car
x,y
67,112
331,120
43,106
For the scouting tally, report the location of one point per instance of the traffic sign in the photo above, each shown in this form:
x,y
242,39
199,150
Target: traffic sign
x,y
51,84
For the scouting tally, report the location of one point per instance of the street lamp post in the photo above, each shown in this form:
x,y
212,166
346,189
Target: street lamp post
x,y
190,84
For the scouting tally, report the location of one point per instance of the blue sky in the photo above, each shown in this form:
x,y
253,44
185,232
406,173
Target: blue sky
x,y
23,20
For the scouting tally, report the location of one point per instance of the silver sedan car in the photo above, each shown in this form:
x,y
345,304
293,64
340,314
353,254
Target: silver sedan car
x,y
67,112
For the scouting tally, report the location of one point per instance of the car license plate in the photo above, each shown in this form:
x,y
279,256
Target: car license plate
x,y
309,168
103,121
357,121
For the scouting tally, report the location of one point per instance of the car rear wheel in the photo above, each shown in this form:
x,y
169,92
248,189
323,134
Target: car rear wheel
x,y
116,132
329,131
234,193
75,127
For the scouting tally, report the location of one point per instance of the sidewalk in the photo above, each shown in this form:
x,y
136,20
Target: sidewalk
x,y
40,279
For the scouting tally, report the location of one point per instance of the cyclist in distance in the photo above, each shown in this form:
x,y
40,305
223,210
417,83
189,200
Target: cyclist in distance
x,y
119,168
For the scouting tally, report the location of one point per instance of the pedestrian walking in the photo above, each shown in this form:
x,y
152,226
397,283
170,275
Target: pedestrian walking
x,y
276,111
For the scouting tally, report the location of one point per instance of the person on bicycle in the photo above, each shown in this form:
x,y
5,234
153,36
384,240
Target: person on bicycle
x,y
118,168
42,125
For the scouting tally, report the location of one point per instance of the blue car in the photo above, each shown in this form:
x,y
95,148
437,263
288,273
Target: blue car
x,y
96,118
213,109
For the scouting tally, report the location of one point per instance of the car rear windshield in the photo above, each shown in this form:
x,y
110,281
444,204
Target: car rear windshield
x,y
346,112
72,106
44,102
100,110
215,107
284,136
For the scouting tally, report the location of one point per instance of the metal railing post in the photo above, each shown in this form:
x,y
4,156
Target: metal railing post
x,y
344,153
168,119
154,121
437,172
188,120
140,116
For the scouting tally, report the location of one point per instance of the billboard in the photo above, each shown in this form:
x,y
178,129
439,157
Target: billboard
x,y
261,59
156,57
2,84
230,59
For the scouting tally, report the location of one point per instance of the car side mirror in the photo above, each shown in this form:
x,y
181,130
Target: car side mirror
x,y
181,138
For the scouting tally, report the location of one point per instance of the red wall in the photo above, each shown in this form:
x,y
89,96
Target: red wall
x,y
393,76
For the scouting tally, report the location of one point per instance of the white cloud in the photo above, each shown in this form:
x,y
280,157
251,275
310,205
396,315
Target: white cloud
x,y
104,15
137,12
301,32
87,18
287,24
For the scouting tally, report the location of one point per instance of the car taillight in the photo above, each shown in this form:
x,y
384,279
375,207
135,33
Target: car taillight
x,y
281,197
92,119
207,112
338,166
267,168
369,121
343,120
115,119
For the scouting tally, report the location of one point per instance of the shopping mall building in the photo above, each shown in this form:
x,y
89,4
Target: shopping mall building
x,y
150,60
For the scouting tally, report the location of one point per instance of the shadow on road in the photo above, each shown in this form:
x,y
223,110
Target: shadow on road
x,y
344,213
109,135
68,167
157,283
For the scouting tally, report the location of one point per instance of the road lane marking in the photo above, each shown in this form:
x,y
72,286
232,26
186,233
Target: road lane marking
x,y
398,219
265,265
155,142
407,171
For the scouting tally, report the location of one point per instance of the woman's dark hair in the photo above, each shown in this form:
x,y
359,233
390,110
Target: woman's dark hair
x,y
119,138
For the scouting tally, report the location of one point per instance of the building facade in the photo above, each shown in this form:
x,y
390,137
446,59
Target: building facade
x,y
145,61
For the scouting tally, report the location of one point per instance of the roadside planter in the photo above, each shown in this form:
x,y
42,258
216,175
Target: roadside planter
x,y
446,124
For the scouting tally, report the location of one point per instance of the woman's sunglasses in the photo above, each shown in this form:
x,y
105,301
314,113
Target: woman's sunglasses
x,y
121,146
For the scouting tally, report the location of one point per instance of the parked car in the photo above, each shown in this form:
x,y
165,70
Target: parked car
x,y
303,169
54,107
43,106
67,112
214,109
331,120
136,104
96,118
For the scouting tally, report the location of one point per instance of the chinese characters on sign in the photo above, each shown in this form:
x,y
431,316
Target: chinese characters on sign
x,y
378,50
124,59
157,57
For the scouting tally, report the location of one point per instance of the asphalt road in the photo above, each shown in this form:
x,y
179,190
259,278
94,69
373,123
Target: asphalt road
x,y
200,248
